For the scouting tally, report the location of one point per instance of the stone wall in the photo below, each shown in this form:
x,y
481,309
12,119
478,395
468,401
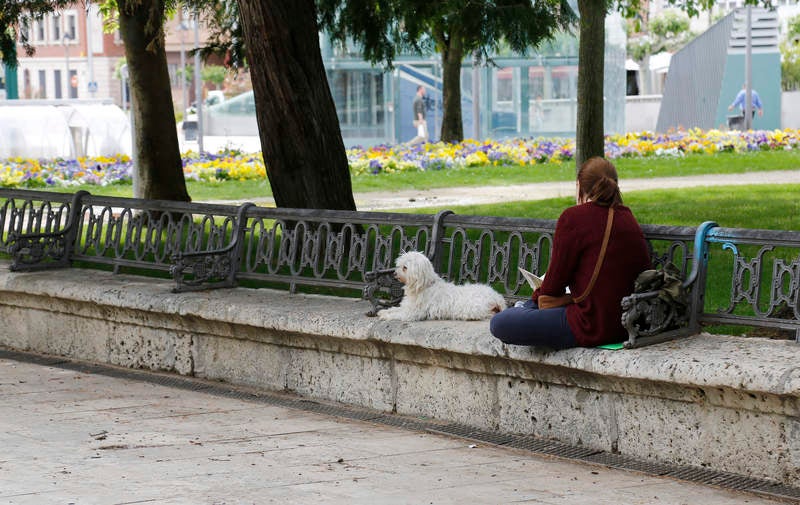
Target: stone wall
x,y
719,402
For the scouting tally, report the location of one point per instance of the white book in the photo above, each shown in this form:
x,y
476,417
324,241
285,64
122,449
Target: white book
x,y
534,280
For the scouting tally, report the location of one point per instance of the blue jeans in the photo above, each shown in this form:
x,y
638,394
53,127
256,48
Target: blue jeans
x,y
527,325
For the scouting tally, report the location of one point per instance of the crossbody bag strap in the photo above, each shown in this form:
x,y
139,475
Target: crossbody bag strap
x,y
600,258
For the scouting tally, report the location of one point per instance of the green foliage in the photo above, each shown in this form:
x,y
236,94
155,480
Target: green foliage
x,y
385,28
226,32
187,72
790,65
793,27
669,24
790,56
110,15
214,74
667,31
15,12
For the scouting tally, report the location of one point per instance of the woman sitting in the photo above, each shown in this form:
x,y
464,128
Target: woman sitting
x,y
598,251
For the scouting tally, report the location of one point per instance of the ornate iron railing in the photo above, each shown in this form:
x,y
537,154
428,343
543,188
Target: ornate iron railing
x,y
763,272
204,245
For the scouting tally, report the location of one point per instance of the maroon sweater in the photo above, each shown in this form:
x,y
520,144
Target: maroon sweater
x,y
579,233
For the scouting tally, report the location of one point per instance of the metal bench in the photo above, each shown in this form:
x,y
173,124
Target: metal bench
x,y
51,248
204,246
211,269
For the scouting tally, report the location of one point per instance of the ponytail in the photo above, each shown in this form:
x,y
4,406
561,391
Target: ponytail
x,y
598,182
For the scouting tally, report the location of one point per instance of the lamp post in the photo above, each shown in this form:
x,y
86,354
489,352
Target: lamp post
x,y
198,83
476,93
65,42
89,61
182,28
748,70
125,73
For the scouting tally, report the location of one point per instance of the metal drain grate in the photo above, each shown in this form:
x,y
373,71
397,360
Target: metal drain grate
x,y
619,461
525,442
779,491
403,422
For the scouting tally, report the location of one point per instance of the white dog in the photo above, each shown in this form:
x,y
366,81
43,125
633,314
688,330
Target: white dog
x,y
428,296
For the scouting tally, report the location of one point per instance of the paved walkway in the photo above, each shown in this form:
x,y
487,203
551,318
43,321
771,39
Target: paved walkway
x,y
544,190
441,197
72,437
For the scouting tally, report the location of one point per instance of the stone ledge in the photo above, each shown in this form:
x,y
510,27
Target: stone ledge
x,y
718,401
752,365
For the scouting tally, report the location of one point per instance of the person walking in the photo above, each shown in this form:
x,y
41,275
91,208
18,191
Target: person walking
x,y
420,122
755,101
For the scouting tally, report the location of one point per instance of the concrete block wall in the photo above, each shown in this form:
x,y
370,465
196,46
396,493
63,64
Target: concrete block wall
x,y
709,401
641,112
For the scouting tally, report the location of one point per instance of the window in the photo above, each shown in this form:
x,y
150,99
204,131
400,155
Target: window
x,y
42,84
57,83
73,84
504,88
39,30
174,78
25,30
71,27
56,32
359,98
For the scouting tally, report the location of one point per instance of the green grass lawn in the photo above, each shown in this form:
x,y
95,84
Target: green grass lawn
x,y
769,206
755,207
628,168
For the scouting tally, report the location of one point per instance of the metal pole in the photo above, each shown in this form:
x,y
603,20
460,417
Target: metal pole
x,y
89,61
748,72
134,171
123,85
476,93
65,40
134,157
198,83
182,29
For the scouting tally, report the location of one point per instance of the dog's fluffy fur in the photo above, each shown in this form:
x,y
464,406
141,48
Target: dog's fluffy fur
x,y
428,296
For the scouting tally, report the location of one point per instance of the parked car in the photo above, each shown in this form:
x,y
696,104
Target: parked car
x,y
214,97
232,117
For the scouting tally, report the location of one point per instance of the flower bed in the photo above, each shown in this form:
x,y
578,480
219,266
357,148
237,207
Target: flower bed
x,y
557,150
235,165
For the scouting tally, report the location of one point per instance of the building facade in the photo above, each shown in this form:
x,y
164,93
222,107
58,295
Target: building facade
x,y
513,96
74,58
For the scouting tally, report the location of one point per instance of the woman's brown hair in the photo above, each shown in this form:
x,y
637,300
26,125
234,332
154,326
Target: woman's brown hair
x,y
598,182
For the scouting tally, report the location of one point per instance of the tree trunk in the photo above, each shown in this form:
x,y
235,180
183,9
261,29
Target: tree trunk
x,y
158,171
591,58
303,149
452,123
